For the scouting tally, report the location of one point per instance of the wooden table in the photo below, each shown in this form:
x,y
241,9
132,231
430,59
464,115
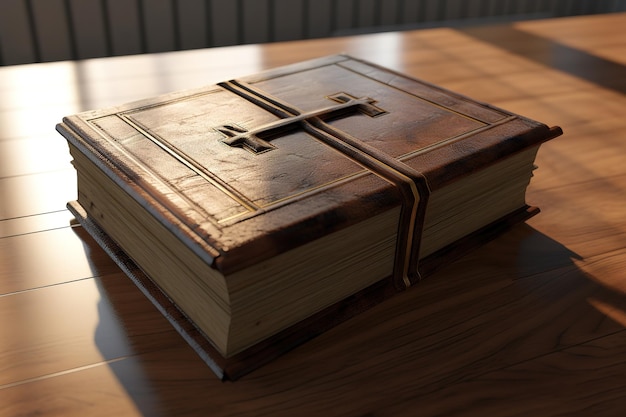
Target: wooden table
x,y
533,323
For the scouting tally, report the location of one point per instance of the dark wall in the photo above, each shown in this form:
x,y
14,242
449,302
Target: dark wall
x,y
51,30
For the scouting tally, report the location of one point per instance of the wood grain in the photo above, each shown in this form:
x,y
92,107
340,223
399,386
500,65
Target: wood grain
x,y
533,323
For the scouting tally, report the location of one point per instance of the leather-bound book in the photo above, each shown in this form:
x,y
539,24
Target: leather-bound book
x,y
259,212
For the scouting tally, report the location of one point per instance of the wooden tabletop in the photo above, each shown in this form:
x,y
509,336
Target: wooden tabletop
x,y
531,324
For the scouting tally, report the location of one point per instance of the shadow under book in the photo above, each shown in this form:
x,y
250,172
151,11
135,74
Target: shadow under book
x,y
260,212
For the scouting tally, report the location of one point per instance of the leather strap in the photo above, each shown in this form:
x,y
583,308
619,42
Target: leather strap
x,y
412,184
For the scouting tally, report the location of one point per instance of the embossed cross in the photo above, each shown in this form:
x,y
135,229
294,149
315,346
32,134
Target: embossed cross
x,y
252,140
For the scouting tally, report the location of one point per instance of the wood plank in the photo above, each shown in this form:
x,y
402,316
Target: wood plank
x,y
586,33
608,271
63,327
554,54
90,390
594,151
586,377
574,214
33,155
571,110
35,223
40,122
28,195
51,77
53,250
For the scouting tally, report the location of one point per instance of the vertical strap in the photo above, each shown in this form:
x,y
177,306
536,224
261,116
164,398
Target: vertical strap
x,y
411,183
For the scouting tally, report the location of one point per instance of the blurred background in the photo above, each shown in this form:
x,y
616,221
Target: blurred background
x,y
54,30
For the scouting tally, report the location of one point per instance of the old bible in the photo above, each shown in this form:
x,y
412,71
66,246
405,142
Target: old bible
x,y
259,212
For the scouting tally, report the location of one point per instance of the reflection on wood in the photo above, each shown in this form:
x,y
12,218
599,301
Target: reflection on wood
x,y
29,195
35,223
